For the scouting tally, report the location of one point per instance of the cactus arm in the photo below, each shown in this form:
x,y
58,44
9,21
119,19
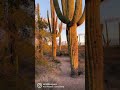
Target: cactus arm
x,y
82,18
59,14
38,11
77,12
56,21
49,22
60,29
52,15
64,6
70,8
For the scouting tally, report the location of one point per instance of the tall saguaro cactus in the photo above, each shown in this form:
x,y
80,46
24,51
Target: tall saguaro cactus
x,y
94,47
53,29
72,16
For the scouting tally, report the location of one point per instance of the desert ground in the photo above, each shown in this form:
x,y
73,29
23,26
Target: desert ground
x,y
59,73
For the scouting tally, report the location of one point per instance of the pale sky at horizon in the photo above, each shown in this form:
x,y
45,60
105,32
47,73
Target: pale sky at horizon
x,y
45,5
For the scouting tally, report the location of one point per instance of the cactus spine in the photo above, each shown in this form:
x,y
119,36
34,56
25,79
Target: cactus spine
x,y
94,49
72,16
53,29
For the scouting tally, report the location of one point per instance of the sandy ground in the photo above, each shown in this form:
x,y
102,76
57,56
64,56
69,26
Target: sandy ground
x,y
62,77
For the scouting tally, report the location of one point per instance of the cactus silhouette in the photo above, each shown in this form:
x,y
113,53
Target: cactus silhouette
x,y
53,28
72,16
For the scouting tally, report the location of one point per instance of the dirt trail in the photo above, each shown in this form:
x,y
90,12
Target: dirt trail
x,y
64,79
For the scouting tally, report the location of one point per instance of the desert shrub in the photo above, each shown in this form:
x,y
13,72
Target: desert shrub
x,y
63,52
47,49
41,62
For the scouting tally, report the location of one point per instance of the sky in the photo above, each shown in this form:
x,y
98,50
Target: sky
x,y
45,5
110,10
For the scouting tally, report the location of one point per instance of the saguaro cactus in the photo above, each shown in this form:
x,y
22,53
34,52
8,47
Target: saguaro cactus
x,y
72,16
60,29
53,29
37,12
94,47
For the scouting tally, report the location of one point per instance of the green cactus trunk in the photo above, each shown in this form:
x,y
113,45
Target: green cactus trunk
x,y
73,49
